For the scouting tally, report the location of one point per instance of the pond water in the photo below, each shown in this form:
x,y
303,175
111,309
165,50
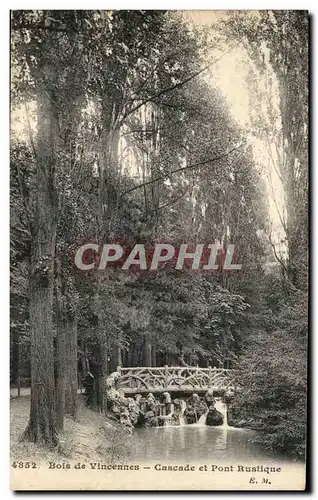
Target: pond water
x,y
193,442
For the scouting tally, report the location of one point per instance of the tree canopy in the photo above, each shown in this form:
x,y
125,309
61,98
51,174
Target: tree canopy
x,y
123,139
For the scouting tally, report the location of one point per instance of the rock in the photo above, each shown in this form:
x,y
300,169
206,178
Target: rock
x,y
151,398
161,421
190,415
115,395
131,403
214,417
133,410
140,420
151,420
175,419
112,380
125,419
143,404
194,400
126,410
152,404
138,398
115,408
208,397
167,397
196,407
228,396
177,404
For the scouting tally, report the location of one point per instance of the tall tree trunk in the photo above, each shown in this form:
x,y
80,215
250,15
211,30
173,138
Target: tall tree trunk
x,y
99,398
71,367
116,357
60,345
147,352
15,356
153,356
42,426
108,207
103,387
61,375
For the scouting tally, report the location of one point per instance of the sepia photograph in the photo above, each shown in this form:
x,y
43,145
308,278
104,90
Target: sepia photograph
x,y
159,206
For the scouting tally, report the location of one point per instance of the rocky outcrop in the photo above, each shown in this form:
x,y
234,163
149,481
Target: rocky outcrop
x,y
196,407
190,416
151,411
214,417
177,409
208,397
151,419
112,380
228,396
126,410
132,412
166,397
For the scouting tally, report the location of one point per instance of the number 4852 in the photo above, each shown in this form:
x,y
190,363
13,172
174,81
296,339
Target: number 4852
x,y
24,465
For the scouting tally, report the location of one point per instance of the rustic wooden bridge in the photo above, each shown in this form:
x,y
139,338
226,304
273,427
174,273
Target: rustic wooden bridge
x,y
188,379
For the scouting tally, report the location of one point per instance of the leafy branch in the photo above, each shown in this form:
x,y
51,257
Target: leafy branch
x,y
182,169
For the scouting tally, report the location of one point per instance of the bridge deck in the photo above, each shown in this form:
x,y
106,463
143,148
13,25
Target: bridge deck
x,y
141,380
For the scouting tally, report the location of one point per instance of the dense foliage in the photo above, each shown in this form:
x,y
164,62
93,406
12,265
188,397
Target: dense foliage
x,y
273,375
126,141
274,366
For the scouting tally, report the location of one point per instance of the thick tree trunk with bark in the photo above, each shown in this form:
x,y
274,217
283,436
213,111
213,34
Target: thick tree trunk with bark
x,y
71,367
60,345
42,425
61,375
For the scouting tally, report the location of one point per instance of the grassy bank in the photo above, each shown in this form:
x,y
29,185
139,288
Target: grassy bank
x,y
91,436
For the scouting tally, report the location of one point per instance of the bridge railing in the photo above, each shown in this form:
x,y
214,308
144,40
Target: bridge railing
x,y
174,378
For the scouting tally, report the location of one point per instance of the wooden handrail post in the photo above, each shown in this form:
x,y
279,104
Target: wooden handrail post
x,y
166,376
119,369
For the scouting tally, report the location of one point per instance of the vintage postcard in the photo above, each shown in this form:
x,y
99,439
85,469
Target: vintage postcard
x,y
159,249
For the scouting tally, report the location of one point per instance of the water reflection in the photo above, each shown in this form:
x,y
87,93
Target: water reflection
x,y
192,443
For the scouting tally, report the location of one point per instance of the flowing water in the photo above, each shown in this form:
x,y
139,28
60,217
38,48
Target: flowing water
x,y
202,419
181,417
168,417
197,441
222,408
